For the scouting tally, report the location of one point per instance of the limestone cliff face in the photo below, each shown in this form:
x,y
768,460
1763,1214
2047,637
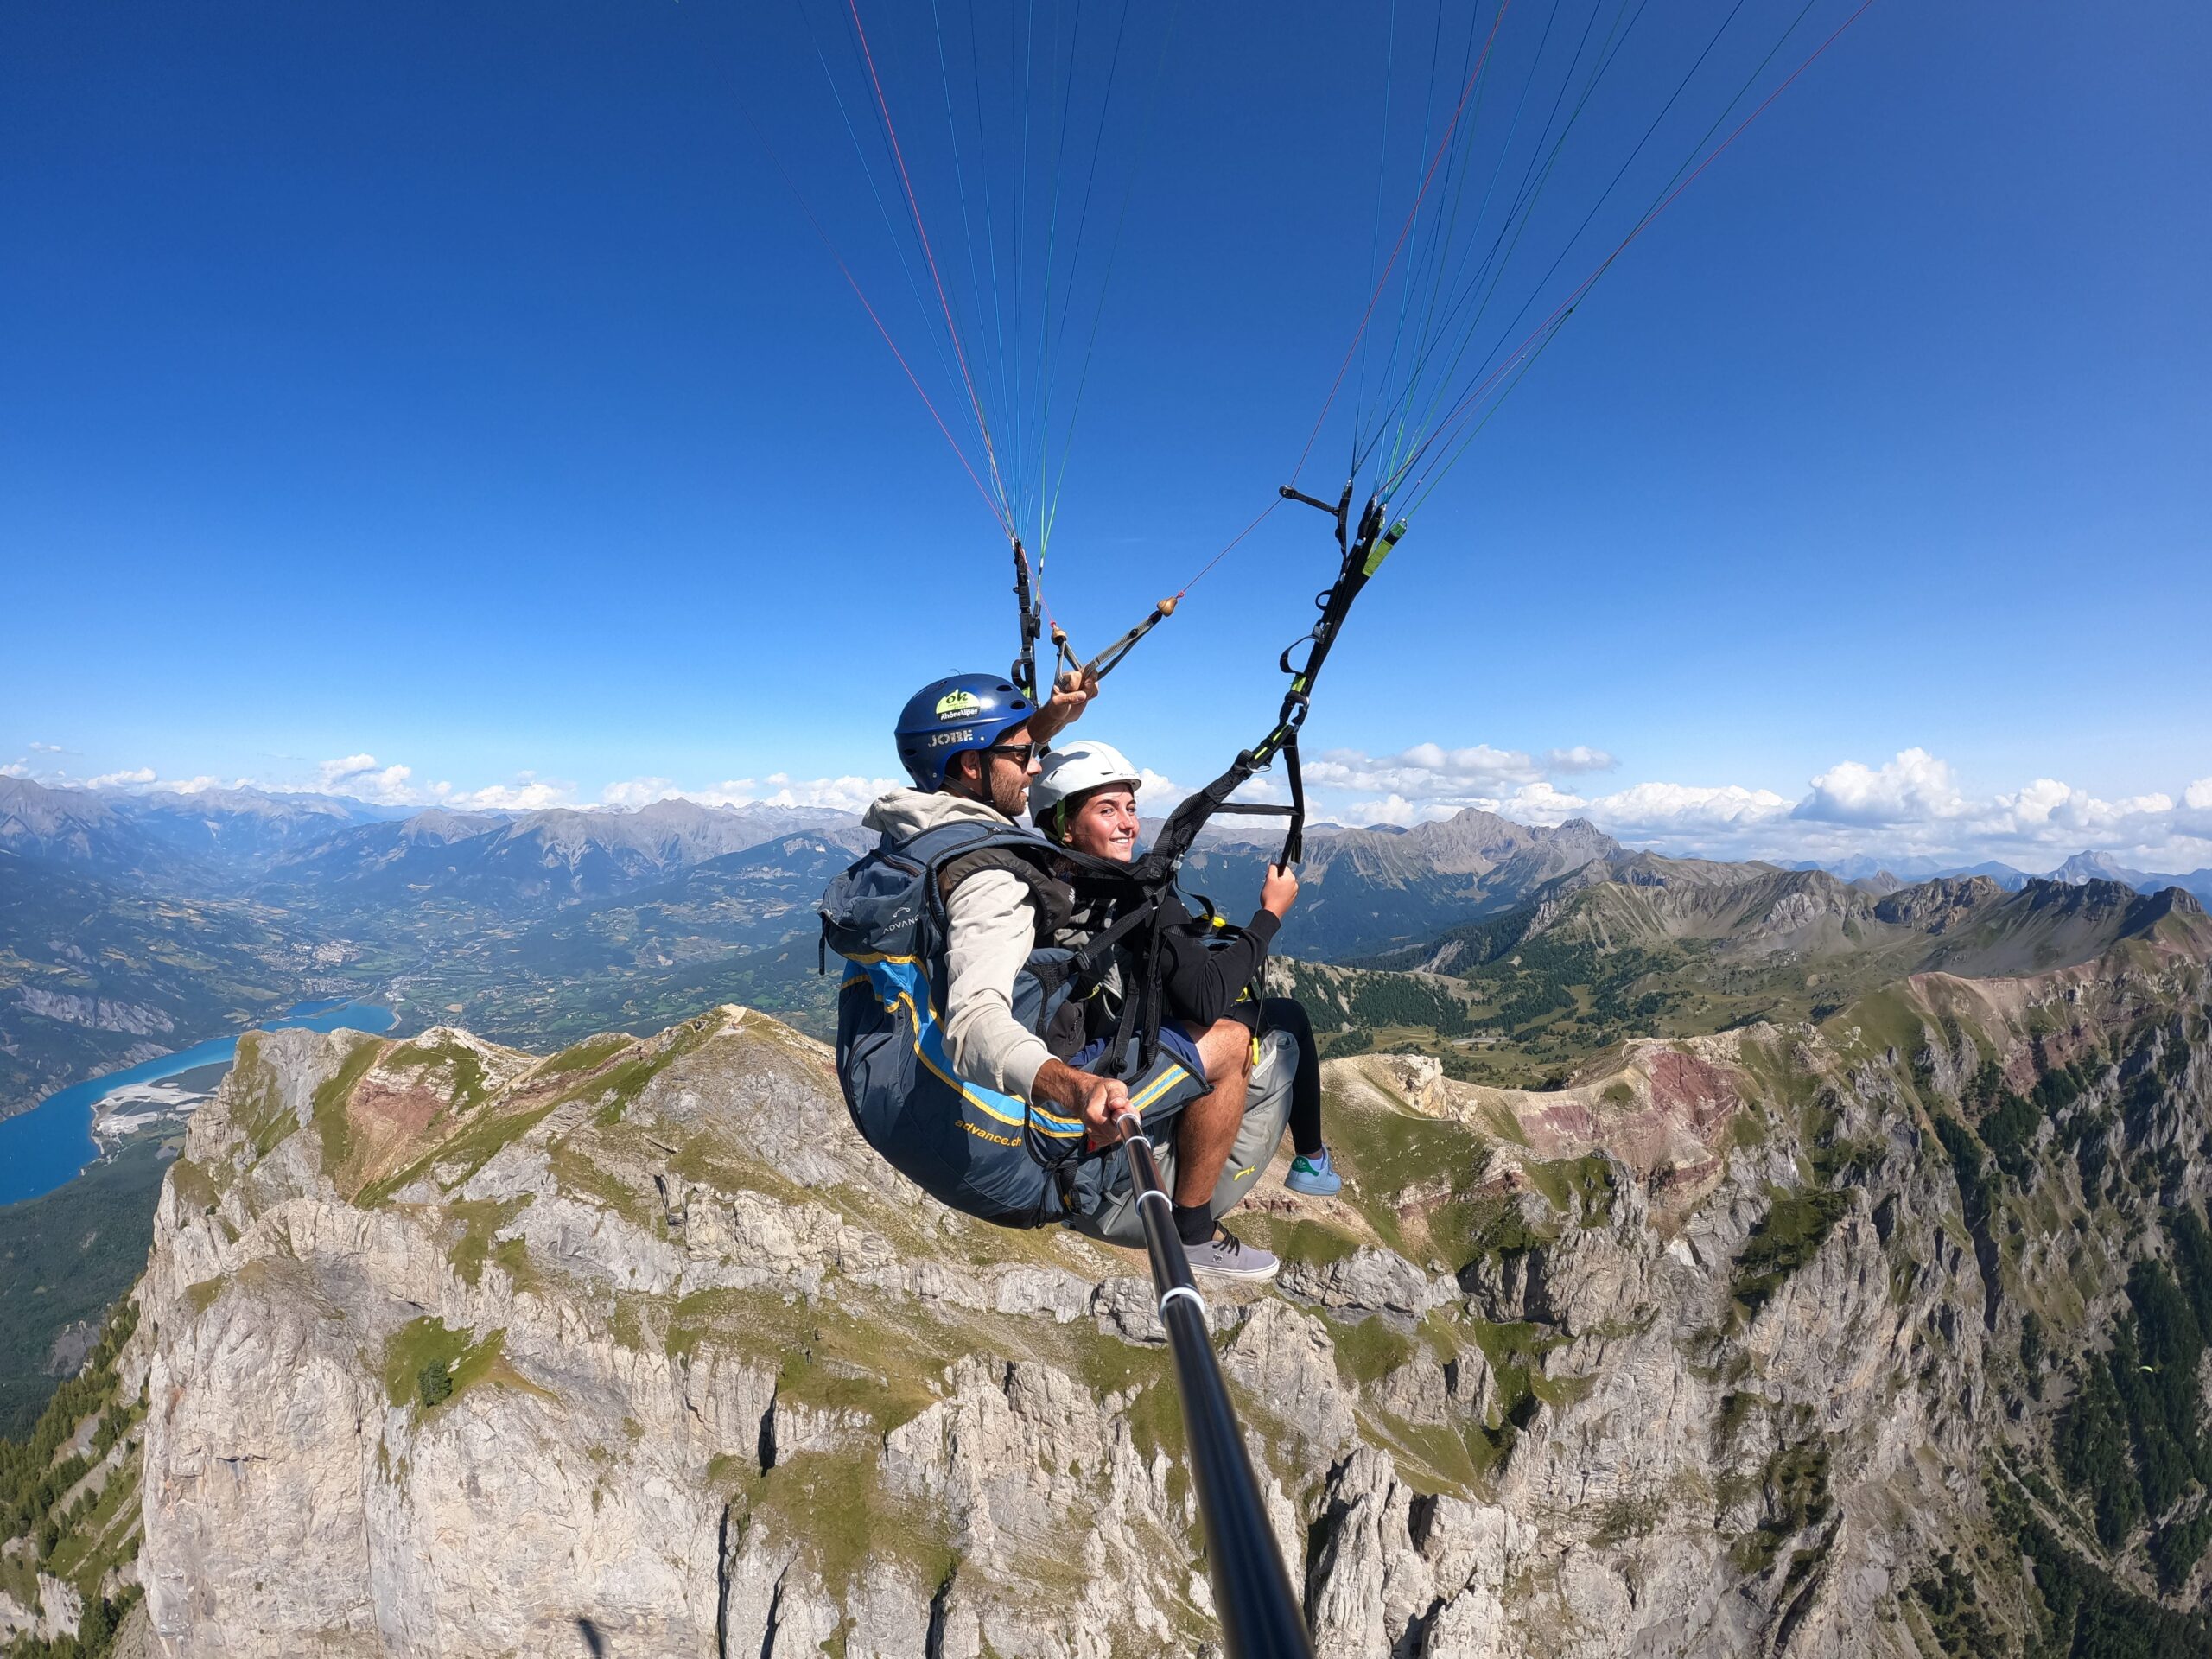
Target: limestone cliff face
x,y
638,1350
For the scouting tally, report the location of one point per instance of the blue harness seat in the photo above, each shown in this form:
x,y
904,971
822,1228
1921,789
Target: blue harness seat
x,y
995,1156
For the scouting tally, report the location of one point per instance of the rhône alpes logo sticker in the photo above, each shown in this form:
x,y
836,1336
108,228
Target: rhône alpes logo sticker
x,y
957,705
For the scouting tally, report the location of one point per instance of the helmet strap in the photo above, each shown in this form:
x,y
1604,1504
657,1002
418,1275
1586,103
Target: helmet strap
x,y
957,782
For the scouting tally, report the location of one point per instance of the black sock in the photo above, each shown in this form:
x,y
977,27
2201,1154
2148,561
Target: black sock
x,y
1285,1013
1193,1223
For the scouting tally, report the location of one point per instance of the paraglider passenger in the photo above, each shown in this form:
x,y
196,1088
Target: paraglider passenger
x,y
1085,798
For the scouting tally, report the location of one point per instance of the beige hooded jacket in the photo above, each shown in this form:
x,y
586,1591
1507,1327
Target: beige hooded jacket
x,y
994,929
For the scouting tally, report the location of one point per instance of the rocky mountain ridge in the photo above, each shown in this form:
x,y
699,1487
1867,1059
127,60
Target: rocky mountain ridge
x,y
1966,926
1762,1342
538,928
231,840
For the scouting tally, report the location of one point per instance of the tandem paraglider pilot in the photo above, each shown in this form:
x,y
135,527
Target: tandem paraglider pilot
x,y
954,980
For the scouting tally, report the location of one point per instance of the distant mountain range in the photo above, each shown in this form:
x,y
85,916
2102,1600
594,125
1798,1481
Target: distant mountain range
x,y
237,839
1966,925
533,864
210,909
1361,891
1887,875
1650,946
134,924
100,971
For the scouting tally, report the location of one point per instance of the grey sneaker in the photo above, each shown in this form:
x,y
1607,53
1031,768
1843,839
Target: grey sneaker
x,y
1227,1257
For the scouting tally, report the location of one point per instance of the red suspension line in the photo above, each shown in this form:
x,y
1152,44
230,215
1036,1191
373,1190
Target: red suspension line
x,y
859,294
921,232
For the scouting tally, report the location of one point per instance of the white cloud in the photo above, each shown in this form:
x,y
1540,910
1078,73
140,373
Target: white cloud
x,y
362,777
1541,802
1267,789
2194,815
1425,772
1729,804
144,780
14,769
1640,812
38,747
847,794
2048,813
639,792
1911,789
1389,809
358,776
528,794
1912,806
1581,758
1156,794
2151,802
336,771
1429,780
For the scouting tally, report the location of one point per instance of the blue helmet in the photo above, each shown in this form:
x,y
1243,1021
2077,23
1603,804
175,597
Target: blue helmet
x,y
965,711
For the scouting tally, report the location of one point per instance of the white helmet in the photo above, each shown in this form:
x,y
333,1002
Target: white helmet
x,y
1083,764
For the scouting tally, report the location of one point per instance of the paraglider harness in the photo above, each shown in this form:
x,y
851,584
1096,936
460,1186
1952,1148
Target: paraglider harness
x,y
887,916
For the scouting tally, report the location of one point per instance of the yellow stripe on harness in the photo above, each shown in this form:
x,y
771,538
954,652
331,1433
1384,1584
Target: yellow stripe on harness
x,y
1159,1085
1059,1127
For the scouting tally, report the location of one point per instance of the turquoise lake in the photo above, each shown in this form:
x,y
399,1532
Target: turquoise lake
x,y
51,1143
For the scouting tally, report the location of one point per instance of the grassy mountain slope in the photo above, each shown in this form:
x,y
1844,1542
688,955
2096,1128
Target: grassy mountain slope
x,y
1541,990
96,973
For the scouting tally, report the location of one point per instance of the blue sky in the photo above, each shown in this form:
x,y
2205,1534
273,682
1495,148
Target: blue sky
x,y
461,392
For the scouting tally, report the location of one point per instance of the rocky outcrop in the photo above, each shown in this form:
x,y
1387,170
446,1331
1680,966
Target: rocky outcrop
x,y
636,1350
98,1012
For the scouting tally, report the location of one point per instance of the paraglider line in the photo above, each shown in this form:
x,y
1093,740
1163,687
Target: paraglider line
x,y
907,183
1582,289
1226,549
1113,253
1398,247
860,294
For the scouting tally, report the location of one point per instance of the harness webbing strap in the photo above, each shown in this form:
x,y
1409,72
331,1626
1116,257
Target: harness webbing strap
x,y
1107,938
1362,557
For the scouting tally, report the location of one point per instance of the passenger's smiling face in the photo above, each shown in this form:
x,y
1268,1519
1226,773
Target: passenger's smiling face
x,y
1104,823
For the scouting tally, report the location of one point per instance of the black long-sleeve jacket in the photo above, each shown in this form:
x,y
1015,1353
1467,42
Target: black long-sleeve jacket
x,y
1201,979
